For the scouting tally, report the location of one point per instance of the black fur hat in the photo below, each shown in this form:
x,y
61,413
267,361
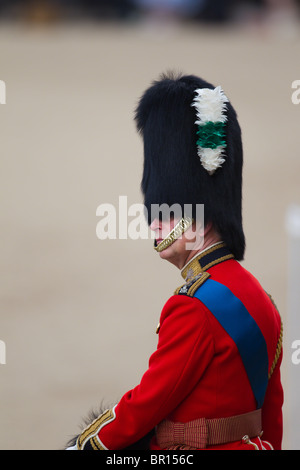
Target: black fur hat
x,y
173,173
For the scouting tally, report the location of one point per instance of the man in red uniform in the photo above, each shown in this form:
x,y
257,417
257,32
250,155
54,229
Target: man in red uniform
x,y
214,380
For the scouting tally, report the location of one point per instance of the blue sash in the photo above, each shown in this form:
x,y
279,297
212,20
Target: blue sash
x,y
241,327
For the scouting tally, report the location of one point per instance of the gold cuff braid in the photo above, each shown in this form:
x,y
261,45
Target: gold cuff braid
x,y
89,437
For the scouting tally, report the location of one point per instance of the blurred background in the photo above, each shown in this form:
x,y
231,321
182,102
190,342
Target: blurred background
x,y
79,314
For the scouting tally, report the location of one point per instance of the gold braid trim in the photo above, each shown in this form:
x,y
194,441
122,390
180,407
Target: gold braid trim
x,y
279,343
219,260
96,444
91,432
177,231
190,287
278,351
197,266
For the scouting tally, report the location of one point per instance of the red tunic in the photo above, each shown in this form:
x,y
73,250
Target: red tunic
x,y
197,370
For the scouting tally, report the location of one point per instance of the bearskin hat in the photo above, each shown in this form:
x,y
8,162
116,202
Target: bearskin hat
x,y
173,173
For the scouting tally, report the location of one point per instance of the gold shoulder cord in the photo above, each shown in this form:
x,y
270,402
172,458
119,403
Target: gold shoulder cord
x,y
278,351
279,343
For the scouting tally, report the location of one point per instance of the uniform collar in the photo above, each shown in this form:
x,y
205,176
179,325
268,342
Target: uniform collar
x,y
204,260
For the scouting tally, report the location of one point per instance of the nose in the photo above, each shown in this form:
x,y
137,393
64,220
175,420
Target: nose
x,y
155,225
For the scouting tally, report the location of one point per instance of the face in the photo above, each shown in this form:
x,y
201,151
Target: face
x,y
183,248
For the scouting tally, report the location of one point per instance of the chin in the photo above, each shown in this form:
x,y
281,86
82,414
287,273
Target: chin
x,y
170,255
164,254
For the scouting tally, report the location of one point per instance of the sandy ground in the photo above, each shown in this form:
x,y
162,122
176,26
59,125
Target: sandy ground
x,y
78,315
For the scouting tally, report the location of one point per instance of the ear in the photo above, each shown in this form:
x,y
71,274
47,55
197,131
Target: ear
x,y
202,230
207,228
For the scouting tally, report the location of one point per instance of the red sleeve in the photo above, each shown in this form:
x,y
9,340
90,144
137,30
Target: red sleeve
x,y
185,344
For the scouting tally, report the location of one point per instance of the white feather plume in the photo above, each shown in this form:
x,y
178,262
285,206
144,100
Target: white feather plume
x,y
211,159
210,105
